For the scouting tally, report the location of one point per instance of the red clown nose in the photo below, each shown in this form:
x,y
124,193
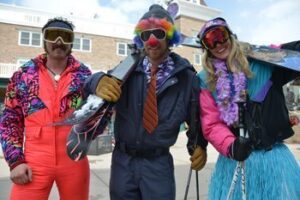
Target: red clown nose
x,y
152,41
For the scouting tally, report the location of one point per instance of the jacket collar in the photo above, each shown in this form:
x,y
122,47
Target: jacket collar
x,y
72,63
180,64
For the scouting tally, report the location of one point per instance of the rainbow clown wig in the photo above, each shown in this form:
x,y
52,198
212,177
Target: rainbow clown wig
x,y
157,17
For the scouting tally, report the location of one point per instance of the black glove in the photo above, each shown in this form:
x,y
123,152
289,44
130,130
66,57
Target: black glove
x,y
240,149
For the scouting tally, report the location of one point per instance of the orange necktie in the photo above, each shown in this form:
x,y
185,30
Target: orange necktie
x,y
150,117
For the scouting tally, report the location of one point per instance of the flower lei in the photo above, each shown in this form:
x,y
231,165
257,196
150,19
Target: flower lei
x,y
230,89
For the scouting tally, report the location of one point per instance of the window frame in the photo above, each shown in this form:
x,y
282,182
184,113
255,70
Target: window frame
x,y
200,59
125,48
30,38
81,44
194,1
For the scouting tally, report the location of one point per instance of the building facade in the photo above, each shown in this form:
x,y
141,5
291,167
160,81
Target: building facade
x,y
99,45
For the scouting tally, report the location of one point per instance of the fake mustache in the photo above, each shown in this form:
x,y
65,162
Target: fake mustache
x,y
62,47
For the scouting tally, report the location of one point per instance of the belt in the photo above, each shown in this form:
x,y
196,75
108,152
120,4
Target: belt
x,y
141,153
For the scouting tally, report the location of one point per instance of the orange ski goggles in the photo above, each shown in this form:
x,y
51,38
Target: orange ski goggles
x,y
214,36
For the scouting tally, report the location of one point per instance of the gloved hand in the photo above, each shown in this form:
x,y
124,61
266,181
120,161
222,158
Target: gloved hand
x,y
240,149
108,89
198,158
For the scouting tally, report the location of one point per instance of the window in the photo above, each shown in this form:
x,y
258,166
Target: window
x,y
194,1
121,49
28,38
32,18
197,59
86,44
82,44
76,43
25,38
36,39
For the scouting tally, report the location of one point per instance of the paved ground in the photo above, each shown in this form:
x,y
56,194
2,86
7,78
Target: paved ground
x,y
100,173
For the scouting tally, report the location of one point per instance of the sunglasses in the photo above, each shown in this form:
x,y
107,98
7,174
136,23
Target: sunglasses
x,y
214,36
160,34
54,34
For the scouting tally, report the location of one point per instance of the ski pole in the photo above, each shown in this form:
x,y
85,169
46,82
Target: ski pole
x,y
188,184
197,185
241,164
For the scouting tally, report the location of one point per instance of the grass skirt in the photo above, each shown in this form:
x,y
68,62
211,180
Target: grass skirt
x,y
270,175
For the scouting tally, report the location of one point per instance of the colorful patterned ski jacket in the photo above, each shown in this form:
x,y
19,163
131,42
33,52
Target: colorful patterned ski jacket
x,y
24,98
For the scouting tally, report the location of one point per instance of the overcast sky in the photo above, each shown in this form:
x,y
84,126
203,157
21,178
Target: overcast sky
x,y
254,21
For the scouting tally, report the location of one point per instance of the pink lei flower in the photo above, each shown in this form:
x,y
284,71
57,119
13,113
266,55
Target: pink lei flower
x,y
230,89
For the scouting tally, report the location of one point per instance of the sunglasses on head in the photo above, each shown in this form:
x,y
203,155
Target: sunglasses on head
x,y
160,34
54,34
214,36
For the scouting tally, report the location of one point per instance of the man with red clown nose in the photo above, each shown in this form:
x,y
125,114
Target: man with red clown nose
x,y
150,107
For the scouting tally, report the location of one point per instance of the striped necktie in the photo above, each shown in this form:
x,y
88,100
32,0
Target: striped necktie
x,y
150,116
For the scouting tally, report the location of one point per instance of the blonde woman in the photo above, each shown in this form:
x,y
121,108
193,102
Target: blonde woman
x,y
229,77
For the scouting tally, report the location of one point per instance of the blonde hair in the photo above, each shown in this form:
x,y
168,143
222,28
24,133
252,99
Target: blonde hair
x,y
236,62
